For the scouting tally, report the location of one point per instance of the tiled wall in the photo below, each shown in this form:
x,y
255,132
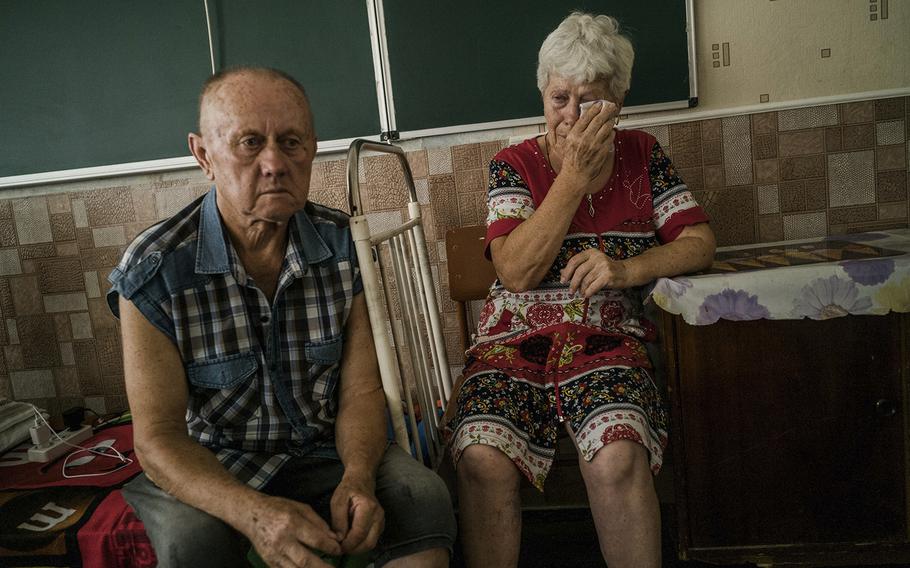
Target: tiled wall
x,y
763,177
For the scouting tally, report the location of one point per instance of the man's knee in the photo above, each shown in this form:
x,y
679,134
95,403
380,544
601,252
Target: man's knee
x,y
417,503
182,535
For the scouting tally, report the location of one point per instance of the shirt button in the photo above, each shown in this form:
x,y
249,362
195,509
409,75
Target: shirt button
x,y
264,319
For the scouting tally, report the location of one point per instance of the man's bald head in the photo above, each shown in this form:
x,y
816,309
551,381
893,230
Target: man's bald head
x,y
217,89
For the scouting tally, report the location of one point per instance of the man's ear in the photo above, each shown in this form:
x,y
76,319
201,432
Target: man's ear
x,y
197,147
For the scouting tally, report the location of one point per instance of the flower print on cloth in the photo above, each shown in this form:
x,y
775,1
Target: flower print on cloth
x,y
826,298
736,305
895,296
666,290
869,272
543,314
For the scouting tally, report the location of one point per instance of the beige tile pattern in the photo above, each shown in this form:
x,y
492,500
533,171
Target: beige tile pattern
x,y
851,178
109,236
770,228
886,109
42,250
39,342
714,176
808,117
170,201
80,216
889,132
466,157
439,161
768,199
844,215
471,181
66,379
63,227
737,150
891,186
68,249
92,289
858,136
801,143
26,296
12,331
33,384
9,262
109,206
764,123
805,225
862,111
81,324
890,158
7,233
58,203
33,221
65,302
896,210
60,275
66,354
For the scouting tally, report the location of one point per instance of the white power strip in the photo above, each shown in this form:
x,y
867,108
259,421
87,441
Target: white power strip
x,y
54,448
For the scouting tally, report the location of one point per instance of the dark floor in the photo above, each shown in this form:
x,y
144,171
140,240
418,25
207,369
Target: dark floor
x,y
558,538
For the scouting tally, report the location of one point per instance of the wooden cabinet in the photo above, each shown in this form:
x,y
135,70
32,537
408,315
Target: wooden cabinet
x,y
790,439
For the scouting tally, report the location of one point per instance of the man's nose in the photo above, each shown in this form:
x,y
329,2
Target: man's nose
x,y
272,160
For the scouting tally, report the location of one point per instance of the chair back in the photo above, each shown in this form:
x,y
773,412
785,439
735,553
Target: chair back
x,y
470,273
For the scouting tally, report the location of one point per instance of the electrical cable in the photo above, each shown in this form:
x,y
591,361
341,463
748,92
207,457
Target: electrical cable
x,y
117,455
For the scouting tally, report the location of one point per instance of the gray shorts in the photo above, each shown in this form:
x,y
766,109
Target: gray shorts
x,y
417,504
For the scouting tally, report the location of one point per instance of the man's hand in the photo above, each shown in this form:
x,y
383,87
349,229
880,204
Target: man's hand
x,y
590,271
288,533
357,516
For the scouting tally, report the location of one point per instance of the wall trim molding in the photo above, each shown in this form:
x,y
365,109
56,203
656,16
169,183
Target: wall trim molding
x,y
339,146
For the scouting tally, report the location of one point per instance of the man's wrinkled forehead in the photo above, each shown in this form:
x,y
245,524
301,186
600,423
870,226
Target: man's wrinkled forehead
x,y
243,94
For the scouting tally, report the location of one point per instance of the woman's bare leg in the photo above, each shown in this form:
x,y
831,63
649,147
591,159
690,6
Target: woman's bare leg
x,y
489,507
624,505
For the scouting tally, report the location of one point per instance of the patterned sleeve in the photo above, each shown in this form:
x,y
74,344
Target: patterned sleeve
x,y
674,205
509,201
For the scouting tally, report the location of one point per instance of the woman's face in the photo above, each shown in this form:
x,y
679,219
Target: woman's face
x,y
561,98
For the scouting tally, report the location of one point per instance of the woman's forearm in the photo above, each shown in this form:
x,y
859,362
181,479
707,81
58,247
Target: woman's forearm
x,y
523,257
692,250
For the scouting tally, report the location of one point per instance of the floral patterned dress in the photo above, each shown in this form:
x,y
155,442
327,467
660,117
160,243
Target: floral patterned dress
x,y
546,356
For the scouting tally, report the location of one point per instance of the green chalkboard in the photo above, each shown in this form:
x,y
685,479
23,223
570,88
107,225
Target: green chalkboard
x,y
475,61
98,82
324,45
94,82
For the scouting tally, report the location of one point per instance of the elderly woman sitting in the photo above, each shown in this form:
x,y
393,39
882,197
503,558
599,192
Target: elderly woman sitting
x,y
578,219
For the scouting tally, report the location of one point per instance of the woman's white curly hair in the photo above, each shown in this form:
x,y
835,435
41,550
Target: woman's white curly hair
x,y
586,48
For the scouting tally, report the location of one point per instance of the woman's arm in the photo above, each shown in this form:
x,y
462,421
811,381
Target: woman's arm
x,y
591,270
523,257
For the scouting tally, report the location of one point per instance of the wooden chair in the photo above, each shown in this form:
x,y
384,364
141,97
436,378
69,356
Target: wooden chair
x,y
470,273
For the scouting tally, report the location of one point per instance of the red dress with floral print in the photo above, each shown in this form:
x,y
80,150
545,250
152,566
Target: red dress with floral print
x,y
548,356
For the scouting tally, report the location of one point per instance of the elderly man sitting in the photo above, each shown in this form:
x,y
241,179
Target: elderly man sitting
x,y
250,369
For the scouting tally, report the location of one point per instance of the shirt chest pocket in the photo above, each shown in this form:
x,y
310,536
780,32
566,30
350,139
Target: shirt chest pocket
x,y
225,390
323,367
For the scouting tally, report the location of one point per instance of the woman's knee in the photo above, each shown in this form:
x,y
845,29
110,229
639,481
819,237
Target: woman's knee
x,y
617,464
487,466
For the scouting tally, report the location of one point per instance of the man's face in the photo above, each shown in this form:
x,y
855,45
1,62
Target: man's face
x,y
259,144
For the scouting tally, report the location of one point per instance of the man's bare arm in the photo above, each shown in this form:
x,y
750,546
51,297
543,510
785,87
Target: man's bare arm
x,y
157,389
360,432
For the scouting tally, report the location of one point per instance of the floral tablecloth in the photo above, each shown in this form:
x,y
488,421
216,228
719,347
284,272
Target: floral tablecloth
x,y
864,273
